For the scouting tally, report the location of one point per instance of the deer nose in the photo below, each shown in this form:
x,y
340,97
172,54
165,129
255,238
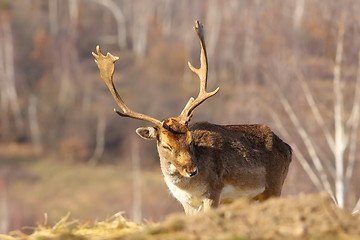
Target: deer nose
x,y
192,172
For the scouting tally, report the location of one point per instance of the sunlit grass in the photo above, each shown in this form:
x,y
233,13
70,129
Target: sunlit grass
x,y
305,217
112,228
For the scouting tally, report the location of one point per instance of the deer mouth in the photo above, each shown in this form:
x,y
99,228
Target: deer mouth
x,y
190,172
187,172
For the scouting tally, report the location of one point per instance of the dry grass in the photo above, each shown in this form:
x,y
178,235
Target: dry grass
x,y
112,228
302,217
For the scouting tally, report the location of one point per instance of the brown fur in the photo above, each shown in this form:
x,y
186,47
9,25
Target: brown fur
x,y
243,147
246,157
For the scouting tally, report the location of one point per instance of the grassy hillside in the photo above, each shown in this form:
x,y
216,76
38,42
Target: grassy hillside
x,y
301,217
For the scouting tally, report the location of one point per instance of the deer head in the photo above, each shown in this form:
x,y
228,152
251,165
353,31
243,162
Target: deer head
x,y
174,140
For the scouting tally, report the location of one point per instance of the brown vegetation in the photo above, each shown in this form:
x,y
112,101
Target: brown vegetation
x,y
302,217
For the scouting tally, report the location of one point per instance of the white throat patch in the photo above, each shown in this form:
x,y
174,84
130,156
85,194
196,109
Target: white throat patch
x,y
172,169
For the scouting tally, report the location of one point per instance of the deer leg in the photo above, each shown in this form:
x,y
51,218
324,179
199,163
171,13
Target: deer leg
x,y
262,196
268,193
273,188
209,203
189,210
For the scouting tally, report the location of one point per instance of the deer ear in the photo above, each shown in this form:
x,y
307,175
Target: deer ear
x,y
148,133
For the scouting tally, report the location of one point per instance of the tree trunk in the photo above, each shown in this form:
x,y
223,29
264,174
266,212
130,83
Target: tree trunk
x,y
35,132
136,169
9,96
100,140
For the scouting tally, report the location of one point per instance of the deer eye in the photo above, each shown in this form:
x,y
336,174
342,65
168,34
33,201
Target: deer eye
x,y
167,147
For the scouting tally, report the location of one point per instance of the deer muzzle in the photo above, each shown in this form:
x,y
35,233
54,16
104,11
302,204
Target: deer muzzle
x,y
189,171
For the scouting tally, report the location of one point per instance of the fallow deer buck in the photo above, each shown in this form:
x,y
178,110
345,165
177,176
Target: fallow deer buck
x,y
206,164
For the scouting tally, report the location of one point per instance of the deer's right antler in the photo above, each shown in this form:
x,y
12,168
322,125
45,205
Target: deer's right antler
x,y
202,73
105,64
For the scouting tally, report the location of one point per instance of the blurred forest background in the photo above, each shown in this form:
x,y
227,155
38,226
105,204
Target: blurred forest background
x,y
293,65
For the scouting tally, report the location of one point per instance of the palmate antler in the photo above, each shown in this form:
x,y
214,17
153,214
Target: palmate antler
x,y
202,73
106,62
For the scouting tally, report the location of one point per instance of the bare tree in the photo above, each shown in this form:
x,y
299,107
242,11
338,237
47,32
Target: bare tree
x,y
332,173
53,17
136,173
35,131
9,99
117,13
100,140
140,26
4,204
214,21
298,13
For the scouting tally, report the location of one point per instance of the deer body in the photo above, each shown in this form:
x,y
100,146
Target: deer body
x,y
206,164
232,161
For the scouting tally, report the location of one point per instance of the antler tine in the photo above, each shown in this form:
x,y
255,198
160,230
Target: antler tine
x,y
202,73
105,64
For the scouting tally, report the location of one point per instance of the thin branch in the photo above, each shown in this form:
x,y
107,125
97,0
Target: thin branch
x,y
354,127
302,160
307,141
319,120
315,110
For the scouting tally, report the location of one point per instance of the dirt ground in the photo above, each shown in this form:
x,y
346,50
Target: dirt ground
x,y
299,217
